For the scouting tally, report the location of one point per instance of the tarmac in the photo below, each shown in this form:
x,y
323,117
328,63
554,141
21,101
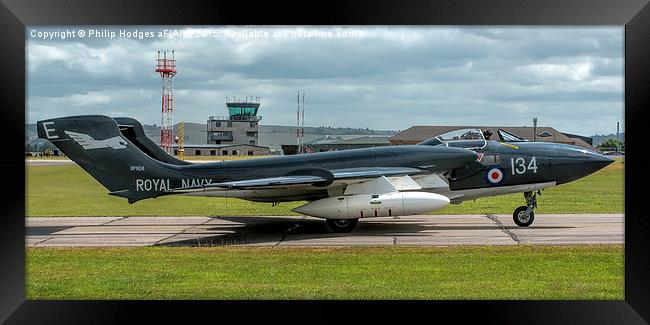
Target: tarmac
x,y
420,230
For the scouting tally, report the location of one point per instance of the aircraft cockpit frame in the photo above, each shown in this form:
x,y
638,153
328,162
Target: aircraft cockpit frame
x,y
471,138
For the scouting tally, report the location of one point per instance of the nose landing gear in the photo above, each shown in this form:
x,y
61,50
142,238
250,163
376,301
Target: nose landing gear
x,y
524,215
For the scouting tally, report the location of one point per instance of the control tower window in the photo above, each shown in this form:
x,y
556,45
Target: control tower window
x,y
235,110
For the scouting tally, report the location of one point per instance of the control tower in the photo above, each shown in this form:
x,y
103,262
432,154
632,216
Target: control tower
x,y
239,127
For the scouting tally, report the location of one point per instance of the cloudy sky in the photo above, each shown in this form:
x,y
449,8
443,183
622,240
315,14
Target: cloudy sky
x,y
386,78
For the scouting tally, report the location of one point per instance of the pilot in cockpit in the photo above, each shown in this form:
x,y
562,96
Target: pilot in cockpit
x,y
487,134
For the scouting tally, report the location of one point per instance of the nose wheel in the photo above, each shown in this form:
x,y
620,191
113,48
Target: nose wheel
x,y
524,215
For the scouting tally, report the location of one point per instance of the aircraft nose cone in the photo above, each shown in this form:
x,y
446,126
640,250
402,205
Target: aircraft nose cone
x,y
573,162
599,160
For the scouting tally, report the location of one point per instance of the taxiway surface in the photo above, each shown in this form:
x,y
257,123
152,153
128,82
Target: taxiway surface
x,y
427,230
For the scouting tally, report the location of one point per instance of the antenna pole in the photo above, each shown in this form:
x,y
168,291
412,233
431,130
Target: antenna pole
x,y
302,125
167,70
617,139
298,124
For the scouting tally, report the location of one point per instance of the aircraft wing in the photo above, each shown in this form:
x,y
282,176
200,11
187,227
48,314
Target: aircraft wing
x,y
324,178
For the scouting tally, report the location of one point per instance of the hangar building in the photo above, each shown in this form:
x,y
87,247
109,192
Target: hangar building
x,y
223,150
328,144
416,134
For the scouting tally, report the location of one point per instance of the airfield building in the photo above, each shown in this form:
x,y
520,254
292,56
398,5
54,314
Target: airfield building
x,y
239,129
416,134
218,150
337,143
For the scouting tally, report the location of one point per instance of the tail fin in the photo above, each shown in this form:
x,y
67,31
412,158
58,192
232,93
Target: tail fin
x,y
134,132
96,144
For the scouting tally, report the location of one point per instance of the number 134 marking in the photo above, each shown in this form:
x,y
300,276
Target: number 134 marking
x,y
519,165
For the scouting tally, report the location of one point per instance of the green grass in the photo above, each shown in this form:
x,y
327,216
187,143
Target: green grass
x,y
520,272
69,191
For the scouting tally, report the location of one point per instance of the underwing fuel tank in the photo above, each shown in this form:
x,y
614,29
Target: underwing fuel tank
x,y
368,205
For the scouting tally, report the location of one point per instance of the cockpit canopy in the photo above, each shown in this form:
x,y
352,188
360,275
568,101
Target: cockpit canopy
x,y
470,138
463,134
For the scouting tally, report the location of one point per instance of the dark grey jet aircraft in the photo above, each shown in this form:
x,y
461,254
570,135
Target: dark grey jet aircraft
x,y
340,186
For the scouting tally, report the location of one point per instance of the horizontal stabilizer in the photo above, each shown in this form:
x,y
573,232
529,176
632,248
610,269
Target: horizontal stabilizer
x,y
135,196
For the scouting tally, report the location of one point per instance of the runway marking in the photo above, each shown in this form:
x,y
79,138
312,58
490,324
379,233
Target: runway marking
x,y
503,228
286,233
184,231
42,241
107,222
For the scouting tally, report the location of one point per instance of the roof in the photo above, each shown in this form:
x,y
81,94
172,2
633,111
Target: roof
x,y
584,144
588,140
420,133
357,140
217,146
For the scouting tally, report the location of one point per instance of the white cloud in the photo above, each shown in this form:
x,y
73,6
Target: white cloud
x,y
76,100
572,71
91,98
381,77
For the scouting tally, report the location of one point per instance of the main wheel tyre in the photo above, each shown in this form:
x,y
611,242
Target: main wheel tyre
x,y
520,217
341,225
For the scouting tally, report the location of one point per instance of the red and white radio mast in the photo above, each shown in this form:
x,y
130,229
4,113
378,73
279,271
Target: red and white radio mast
x,y
167,69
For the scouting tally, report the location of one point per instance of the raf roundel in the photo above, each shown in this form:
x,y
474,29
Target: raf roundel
x,y
494,175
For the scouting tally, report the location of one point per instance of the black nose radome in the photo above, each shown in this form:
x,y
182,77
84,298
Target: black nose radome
x,y
573,162
601,160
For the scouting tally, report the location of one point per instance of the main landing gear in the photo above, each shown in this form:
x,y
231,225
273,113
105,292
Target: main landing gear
x,y
524,215
341,225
